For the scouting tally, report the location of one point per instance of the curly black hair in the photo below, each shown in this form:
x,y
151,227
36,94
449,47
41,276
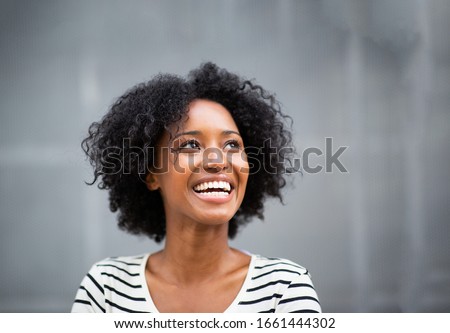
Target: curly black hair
x,y
143,113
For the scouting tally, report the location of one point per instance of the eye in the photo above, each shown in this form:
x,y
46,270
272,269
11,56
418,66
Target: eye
x,y
233,145
189,145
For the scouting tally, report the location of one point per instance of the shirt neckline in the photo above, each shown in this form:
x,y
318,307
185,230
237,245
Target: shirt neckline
x,y
151,307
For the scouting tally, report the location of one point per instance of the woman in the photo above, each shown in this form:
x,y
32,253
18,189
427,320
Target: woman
x,y
191,160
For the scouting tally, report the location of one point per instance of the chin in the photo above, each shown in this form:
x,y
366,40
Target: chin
x,y
216,219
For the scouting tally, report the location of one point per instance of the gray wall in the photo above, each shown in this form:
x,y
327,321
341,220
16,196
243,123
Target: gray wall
x,y
373,75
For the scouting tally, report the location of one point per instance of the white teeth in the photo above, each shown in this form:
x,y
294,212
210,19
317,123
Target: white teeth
x,y
216,184
214,194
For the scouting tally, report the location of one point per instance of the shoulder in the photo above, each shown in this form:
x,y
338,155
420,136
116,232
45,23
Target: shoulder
x,y
275,267
120,265
279,285
118,271
111,284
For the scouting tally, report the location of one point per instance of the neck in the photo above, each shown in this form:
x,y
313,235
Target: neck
x,y
198,254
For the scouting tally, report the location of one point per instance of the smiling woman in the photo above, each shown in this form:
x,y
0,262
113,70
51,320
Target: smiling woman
x,y
213,136
208,187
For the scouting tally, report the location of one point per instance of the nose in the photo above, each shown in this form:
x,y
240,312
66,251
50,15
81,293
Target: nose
x,y
214,160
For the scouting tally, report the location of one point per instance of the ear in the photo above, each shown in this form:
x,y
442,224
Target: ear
x,y
152,182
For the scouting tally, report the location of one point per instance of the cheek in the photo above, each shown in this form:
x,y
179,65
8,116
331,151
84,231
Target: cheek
x,y
175,175
240,164
186,163
172,187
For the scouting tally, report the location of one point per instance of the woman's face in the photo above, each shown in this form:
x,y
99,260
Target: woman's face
x,y
203,167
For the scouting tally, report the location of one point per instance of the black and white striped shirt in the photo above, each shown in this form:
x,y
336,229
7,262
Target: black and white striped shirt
x,y
272,285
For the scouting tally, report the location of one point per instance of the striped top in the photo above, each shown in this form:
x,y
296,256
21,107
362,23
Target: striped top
x,y
272,285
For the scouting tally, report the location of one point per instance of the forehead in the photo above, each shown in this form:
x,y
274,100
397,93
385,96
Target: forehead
x,y
203,115
208,115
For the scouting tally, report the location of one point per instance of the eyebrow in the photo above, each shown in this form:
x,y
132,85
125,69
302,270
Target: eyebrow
x,y
226,132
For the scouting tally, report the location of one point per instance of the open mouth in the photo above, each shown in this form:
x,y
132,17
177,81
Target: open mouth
x,y
214,189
